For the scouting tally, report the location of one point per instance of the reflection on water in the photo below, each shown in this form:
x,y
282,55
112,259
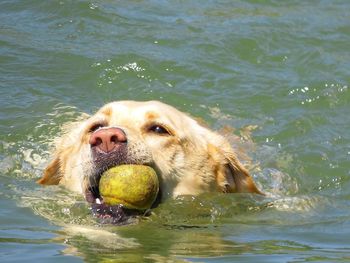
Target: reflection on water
x,y
205,226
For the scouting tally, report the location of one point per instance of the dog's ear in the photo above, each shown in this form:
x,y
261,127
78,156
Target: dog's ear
x,y
237,177
63,145
231,175
52,173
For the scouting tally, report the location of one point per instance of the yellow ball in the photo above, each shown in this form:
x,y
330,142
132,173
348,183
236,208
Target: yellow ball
x,y
134,186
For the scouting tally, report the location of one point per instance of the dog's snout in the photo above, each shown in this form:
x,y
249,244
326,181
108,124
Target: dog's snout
x,y
108,139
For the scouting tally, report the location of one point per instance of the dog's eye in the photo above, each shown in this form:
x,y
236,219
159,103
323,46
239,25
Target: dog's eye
x,y
95,127
158,129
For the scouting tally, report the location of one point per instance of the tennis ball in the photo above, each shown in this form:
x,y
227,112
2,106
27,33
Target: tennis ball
x,y
134,186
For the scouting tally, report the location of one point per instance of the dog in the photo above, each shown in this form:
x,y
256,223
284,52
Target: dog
x,y
189,158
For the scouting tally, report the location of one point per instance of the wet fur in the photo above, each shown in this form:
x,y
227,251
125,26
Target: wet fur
x,y
190,160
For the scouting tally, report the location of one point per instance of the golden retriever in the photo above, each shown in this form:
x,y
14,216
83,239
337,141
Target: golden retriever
x,y
189,158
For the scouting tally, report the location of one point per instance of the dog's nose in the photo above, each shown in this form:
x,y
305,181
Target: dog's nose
x,y
108,139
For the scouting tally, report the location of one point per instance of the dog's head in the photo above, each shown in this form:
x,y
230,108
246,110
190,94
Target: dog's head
x,y
188,158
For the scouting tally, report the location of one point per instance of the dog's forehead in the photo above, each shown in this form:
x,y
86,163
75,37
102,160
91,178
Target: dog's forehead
x,y
145,111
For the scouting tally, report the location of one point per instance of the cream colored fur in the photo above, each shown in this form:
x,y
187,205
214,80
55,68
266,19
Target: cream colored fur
x,y
190,160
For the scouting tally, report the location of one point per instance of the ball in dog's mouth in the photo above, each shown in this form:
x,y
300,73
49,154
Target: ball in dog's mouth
x,y
133,186
123,192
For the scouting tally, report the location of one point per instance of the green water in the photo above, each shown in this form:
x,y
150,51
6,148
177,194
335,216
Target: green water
x,y
281,66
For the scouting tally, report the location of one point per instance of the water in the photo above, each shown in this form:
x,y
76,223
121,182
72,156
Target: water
x,y
276,71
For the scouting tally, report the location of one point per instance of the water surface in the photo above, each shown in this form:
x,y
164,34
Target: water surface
x,y
278,69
